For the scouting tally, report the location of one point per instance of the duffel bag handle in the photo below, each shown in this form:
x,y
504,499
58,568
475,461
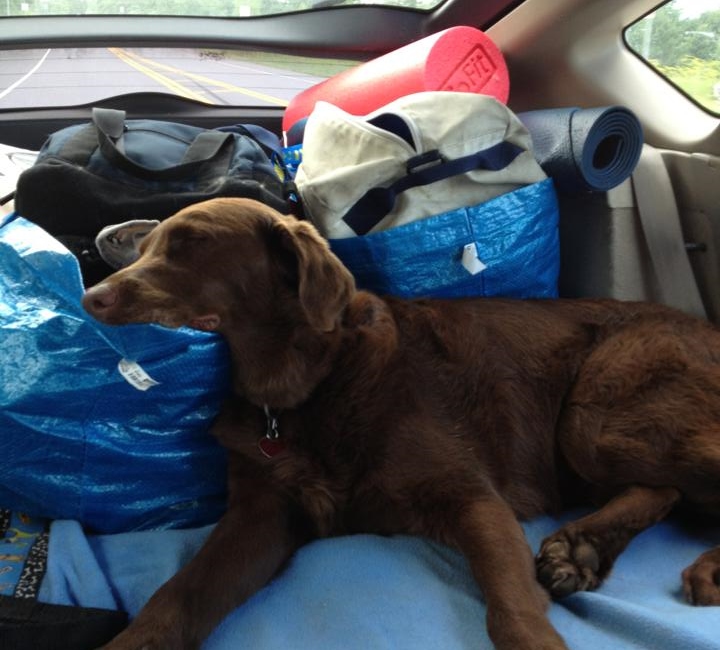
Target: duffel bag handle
x,y
205,148
424,169
207,153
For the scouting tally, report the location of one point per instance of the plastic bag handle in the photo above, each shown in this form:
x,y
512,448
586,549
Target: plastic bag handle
x,y
205,149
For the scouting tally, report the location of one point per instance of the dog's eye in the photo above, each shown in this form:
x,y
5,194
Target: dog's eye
x,y
183,241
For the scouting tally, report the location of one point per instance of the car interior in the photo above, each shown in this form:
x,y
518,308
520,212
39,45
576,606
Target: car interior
x,y
406,593
563,53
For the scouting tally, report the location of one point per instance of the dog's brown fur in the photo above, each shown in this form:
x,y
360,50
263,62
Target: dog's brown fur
x,y
449,419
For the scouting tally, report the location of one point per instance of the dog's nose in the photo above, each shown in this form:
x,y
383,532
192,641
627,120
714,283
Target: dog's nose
x,y
99,299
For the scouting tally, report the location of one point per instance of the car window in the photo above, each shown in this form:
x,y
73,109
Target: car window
x,y
71,76
79,75
681,41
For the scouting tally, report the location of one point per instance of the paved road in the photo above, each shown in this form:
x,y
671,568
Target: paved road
x,y
71,76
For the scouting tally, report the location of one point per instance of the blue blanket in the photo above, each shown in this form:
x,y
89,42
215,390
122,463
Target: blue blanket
x,y
399,593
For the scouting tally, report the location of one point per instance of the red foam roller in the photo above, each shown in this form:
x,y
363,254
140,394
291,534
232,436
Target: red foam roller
x,y
458,59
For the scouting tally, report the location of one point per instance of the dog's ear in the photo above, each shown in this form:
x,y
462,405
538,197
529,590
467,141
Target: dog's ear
x,y
325,286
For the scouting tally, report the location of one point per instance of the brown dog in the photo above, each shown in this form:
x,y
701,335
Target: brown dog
x,y
449,419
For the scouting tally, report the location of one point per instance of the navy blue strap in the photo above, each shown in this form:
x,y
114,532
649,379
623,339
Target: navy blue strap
x,y
424,169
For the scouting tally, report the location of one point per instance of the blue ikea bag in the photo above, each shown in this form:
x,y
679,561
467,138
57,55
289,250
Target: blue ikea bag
x,y
435,194
506,246
105,425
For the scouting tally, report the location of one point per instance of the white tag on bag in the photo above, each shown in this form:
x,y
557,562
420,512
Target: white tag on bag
x,y
470,260
135,375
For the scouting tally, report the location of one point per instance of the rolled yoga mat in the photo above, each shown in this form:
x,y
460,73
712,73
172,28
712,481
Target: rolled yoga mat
x,y
460,59
592,149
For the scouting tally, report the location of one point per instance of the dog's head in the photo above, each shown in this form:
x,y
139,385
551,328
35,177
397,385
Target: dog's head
x,y
267,282
226,264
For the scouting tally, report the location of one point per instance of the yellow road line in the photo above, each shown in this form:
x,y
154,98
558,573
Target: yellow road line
x,y
138,60
174,86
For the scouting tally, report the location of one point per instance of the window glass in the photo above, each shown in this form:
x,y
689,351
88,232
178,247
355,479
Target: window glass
x,y
681,40
80,75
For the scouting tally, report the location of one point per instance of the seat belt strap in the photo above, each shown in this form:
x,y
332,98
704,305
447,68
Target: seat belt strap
x,y
660,220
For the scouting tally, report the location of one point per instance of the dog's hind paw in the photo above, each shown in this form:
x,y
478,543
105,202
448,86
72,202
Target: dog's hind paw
x,y
567,563
701,580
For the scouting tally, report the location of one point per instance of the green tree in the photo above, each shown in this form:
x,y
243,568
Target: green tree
x,y
708,24
666,37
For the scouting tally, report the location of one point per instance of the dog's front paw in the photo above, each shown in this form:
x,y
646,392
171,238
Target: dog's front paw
x,y
567,563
